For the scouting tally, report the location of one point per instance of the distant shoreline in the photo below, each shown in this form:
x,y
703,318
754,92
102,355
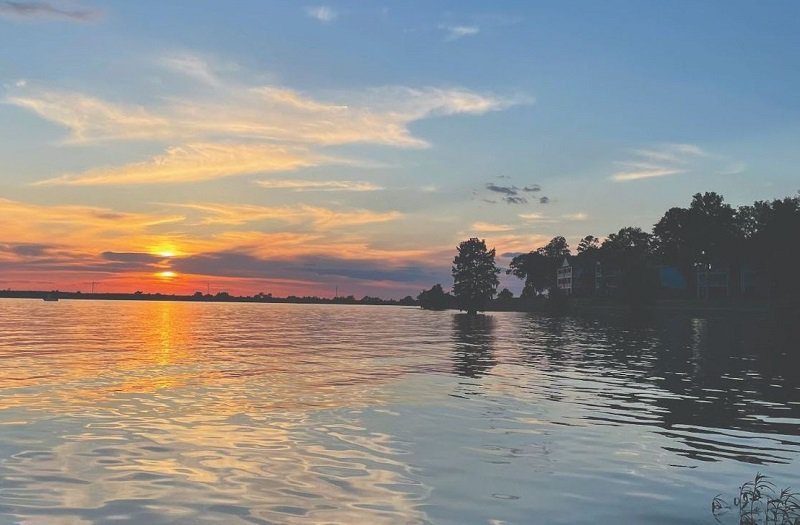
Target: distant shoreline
x,y
577,306
219,298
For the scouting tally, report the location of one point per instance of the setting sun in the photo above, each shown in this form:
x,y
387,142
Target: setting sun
x,y
164,249
167,275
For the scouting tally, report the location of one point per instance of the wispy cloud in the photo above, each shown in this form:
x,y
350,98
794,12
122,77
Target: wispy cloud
x,y
191,65
91,119
489,227
326,185
266,117
322,13
196,162
378,116
80,226
46,11
660,161
454,32
317,217
542,218
532,216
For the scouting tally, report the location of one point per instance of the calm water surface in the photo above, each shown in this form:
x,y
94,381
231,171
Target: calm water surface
x,y
181,413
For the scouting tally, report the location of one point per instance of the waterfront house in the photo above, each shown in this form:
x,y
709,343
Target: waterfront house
x,y
577,276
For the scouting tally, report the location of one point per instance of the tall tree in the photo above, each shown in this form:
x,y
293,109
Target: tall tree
x,y
474,275
772,231
535,269
628,252
627,243
705,232
588,244
538,268
557,248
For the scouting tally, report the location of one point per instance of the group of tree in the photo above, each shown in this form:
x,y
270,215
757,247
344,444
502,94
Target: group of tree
x,y
764,236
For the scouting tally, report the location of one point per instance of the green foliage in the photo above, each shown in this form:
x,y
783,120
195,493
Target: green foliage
x,y
474,275
760,503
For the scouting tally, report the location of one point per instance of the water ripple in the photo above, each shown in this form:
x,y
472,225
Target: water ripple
x,y
135,412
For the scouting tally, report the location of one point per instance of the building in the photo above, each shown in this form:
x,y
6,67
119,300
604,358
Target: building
x,y
564,277
577,276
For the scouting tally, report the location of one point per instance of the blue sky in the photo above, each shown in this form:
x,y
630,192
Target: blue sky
x,y
292,147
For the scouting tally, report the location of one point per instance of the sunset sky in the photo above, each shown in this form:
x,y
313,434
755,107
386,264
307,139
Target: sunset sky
x,y
290,147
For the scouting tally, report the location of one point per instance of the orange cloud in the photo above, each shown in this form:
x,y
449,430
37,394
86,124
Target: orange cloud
x,y
196,162
317,217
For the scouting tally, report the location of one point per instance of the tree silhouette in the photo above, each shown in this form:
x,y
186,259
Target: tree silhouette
x,y
771,231
629,252
505,295
434,299
538,268
557,248
588,244
708,231
474,275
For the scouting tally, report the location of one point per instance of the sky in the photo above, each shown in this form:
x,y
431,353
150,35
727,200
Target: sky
x,y
299,148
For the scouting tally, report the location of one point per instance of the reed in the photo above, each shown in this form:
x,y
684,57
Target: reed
x,y
760,503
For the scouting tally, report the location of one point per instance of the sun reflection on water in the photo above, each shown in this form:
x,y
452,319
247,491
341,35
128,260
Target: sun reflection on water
x,y
163,399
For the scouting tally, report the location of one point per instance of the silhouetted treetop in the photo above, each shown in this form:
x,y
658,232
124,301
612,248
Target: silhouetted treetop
x,y
474,275
588,243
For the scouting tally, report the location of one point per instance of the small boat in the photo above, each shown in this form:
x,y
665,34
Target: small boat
x,y
50,297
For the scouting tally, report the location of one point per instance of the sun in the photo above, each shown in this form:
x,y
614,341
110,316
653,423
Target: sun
x,y
165,250
166,275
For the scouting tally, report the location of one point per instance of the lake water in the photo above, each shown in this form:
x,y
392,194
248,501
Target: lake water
x,y
184,413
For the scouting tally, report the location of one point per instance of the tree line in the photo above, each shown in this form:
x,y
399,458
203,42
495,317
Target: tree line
x,y
765,236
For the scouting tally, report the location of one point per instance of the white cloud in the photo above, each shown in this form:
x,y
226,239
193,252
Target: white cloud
x,y
274,127
191,65
326,185
456,32
489,227
267,113
659,161
533,216
318,217
322,13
